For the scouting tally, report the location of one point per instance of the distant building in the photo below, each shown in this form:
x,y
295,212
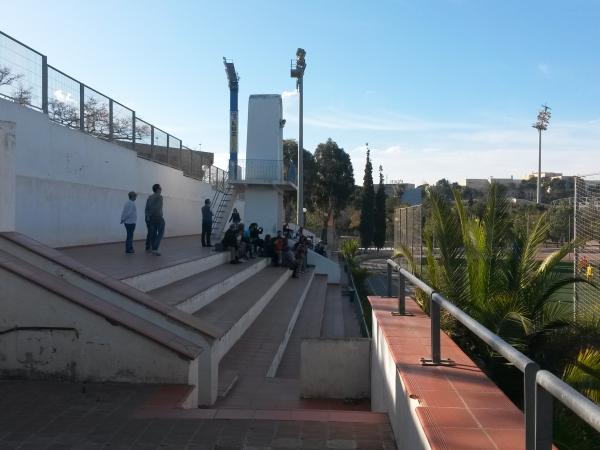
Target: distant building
x,y
413,196
551,175
477,184
396,186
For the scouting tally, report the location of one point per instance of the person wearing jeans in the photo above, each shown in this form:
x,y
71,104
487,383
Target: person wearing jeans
x,y
129,219
154,218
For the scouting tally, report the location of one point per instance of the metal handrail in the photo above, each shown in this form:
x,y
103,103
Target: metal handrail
x,y
357,299
540,386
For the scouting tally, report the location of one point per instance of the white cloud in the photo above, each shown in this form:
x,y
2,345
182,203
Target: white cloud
x,y
64,97
544,69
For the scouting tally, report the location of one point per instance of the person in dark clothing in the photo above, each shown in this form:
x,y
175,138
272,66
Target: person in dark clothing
x,y
269,249
230,243
207,216
235,217
154,217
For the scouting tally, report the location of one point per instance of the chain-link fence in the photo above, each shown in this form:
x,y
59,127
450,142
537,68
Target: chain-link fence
x,y
586,301
27,78
408,227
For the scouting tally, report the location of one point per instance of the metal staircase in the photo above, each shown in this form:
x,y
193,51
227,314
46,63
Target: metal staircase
x,y
223,197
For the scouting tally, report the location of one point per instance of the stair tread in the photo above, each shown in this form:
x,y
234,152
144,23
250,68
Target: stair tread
x,y
253,353
181,290
308,326
225,311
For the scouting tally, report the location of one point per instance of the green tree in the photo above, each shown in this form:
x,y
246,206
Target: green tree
x,y
368,204
334,179
380,213
290,156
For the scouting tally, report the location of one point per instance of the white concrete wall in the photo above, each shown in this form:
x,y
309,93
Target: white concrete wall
x,y
71,186
264,205
264,135
335,368
388,395
94,350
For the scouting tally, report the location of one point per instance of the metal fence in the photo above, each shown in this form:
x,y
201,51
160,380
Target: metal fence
x,y
586,264
408,226
27,79
267,170
540,386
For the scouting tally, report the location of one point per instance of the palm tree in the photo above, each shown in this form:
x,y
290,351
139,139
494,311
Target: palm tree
x,y
494,274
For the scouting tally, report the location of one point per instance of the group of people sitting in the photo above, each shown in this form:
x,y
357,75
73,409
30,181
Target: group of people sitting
x,y
244,244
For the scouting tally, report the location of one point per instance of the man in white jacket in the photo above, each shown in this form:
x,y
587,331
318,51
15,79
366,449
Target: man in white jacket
x,y
129,219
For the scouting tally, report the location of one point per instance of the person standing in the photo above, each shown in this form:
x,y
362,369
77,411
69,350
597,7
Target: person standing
x,y
235,217
154,217
129,219
207,216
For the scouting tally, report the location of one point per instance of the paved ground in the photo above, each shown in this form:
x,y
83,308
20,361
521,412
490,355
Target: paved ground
x,y
52,415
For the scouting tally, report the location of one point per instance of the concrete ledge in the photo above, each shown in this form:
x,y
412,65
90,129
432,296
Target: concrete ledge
x,y
335,368
162,277
200,300
288,332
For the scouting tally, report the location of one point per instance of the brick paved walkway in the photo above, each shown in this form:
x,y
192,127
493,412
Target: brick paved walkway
x,y
52,415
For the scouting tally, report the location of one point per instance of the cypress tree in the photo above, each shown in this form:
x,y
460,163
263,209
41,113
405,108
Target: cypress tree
x,y
379,235
368,205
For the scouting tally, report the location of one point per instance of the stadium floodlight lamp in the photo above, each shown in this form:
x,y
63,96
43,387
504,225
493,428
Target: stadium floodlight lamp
x,y
543,119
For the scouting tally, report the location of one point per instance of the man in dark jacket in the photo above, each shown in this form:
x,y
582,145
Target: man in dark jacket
x,y
154,218
230,243
206,223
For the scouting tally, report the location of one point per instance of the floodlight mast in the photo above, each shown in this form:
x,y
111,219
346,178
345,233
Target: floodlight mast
x,y
297,71
233,79
543,119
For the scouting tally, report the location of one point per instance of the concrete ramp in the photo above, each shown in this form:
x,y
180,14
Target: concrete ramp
x,y
50,328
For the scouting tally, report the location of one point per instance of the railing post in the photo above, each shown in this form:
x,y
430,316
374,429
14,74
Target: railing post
x,y
389,280
434,310
111,128
529,387
168,162
401,294
543,418
133,130
45,84
81,107
152,143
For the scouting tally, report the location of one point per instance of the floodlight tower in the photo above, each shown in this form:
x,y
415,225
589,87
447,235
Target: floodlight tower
x,y
233,79
297,71
543,119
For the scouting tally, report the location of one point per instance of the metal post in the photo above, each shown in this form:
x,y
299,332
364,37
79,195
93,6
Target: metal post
x,y
300,192
435,314
529,373
180,155
133,130
389,280
539,180
401,295
575,250
543,419
435,330
110,119
81,107
152,143
168,161
45,84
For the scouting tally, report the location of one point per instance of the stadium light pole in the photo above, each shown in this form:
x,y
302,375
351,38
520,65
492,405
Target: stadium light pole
x,y
543,119
297,71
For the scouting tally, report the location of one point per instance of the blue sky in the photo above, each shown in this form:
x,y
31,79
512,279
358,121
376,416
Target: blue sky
x,y
445,88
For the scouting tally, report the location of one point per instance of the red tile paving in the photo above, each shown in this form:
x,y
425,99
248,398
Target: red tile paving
x,y
460,407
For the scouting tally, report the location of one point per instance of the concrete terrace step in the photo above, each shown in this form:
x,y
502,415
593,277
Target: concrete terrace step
x,y
226,310
308,326
260,349
193,293
181,257
111,291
